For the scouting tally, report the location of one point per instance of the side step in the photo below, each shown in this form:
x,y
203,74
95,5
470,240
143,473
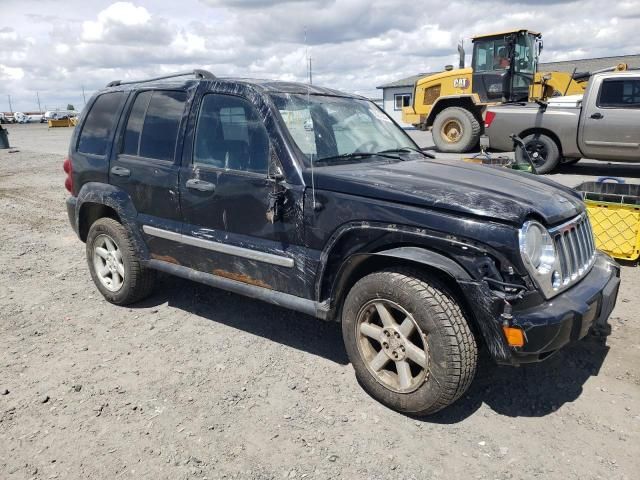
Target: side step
x,y
299,304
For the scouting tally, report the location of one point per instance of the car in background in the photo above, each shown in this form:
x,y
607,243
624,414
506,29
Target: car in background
x,y
20,117
57,115
602,124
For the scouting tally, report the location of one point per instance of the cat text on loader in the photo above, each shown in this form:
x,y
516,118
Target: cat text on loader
x,y
503,69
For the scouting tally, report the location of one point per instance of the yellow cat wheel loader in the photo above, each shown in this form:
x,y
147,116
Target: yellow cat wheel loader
x,y
503,69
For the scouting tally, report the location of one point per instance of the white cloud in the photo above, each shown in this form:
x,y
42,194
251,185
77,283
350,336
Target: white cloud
x,y
118,14
11,73
58,48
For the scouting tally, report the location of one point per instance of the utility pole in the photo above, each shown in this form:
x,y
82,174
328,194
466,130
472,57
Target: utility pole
x,y
39,107
83,96
10,107
310,72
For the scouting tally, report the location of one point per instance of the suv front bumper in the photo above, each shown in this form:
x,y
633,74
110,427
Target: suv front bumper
x,y
569,316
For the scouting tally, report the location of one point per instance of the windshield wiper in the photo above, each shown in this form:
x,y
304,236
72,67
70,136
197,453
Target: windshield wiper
x,y
352,155
408,149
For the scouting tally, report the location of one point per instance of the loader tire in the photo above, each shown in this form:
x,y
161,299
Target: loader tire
x,y
456,130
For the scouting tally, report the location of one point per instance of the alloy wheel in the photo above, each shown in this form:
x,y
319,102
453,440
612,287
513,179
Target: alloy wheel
x,y
392,345
108,263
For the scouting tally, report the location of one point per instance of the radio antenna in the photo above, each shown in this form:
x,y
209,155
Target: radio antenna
x,y
311,154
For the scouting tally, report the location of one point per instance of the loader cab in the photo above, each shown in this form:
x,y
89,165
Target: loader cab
x,y
504,65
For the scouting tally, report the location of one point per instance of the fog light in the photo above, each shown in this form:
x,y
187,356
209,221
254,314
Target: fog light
x,y
556,280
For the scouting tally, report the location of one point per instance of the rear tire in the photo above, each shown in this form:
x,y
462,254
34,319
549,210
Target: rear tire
x,y
543,150
455,130
427,319
115,269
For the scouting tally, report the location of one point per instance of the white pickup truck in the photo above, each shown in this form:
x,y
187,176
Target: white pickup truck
x,y
602,124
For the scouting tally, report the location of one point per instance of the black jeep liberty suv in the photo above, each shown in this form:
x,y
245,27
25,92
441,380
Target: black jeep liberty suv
x,y
317,201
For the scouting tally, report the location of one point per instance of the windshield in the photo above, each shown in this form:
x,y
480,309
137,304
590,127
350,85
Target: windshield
x,y
331,129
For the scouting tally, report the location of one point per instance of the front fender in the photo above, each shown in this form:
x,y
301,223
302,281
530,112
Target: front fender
x,y
482,306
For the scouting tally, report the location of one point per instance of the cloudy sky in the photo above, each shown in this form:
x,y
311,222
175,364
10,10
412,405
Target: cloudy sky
x,y
57,47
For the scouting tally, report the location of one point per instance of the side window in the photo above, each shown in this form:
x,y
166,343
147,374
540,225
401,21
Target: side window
x,y
401,100
621,93
230,134
152,126
98,126
131,143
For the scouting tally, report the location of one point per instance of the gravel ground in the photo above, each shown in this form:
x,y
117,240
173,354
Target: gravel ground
x,y
199,383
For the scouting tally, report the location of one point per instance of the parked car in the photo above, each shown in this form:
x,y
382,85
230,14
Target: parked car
x,y
57,115
21,117
4,118
317,201
603,124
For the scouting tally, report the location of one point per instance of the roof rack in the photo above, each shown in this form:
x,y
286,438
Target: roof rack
x,y
198,73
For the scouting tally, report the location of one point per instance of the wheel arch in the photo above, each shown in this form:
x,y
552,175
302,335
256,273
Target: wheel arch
x,y
89,212
360,264
99,200
468,102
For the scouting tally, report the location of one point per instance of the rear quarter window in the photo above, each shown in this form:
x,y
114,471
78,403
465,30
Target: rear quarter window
x,y
98,126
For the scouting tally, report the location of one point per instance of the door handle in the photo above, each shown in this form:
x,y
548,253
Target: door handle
x,y
597,116
120,171
200,185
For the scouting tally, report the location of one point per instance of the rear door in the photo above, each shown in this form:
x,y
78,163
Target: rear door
x,y
611,119
145,164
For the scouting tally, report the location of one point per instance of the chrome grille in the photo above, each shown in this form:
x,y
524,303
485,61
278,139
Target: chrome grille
x,y
575,247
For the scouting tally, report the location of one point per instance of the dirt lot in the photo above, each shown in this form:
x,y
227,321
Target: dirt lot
x,y
199,383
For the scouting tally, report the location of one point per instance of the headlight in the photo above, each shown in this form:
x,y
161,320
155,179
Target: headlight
x,y
536,247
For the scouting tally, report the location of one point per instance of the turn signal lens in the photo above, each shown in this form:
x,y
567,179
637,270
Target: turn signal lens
x,y
515,336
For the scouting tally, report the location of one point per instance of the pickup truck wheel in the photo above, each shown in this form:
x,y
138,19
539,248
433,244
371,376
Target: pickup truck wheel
x,y
543,151
455,130
408,341
115,270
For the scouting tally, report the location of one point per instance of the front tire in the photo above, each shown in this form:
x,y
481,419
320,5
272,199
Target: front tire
x,y
408,341
543,151
115,269
455,130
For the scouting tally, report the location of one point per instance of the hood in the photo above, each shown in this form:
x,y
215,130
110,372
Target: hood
x,y
495,193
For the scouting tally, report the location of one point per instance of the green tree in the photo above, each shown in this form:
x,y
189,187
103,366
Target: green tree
x,y
70,107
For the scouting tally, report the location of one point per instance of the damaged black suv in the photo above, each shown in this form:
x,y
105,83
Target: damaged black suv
x,y
316,201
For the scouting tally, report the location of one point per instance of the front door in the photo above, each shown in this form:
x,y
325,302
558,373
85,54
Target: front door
x,y
146,165
226,198
611,125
